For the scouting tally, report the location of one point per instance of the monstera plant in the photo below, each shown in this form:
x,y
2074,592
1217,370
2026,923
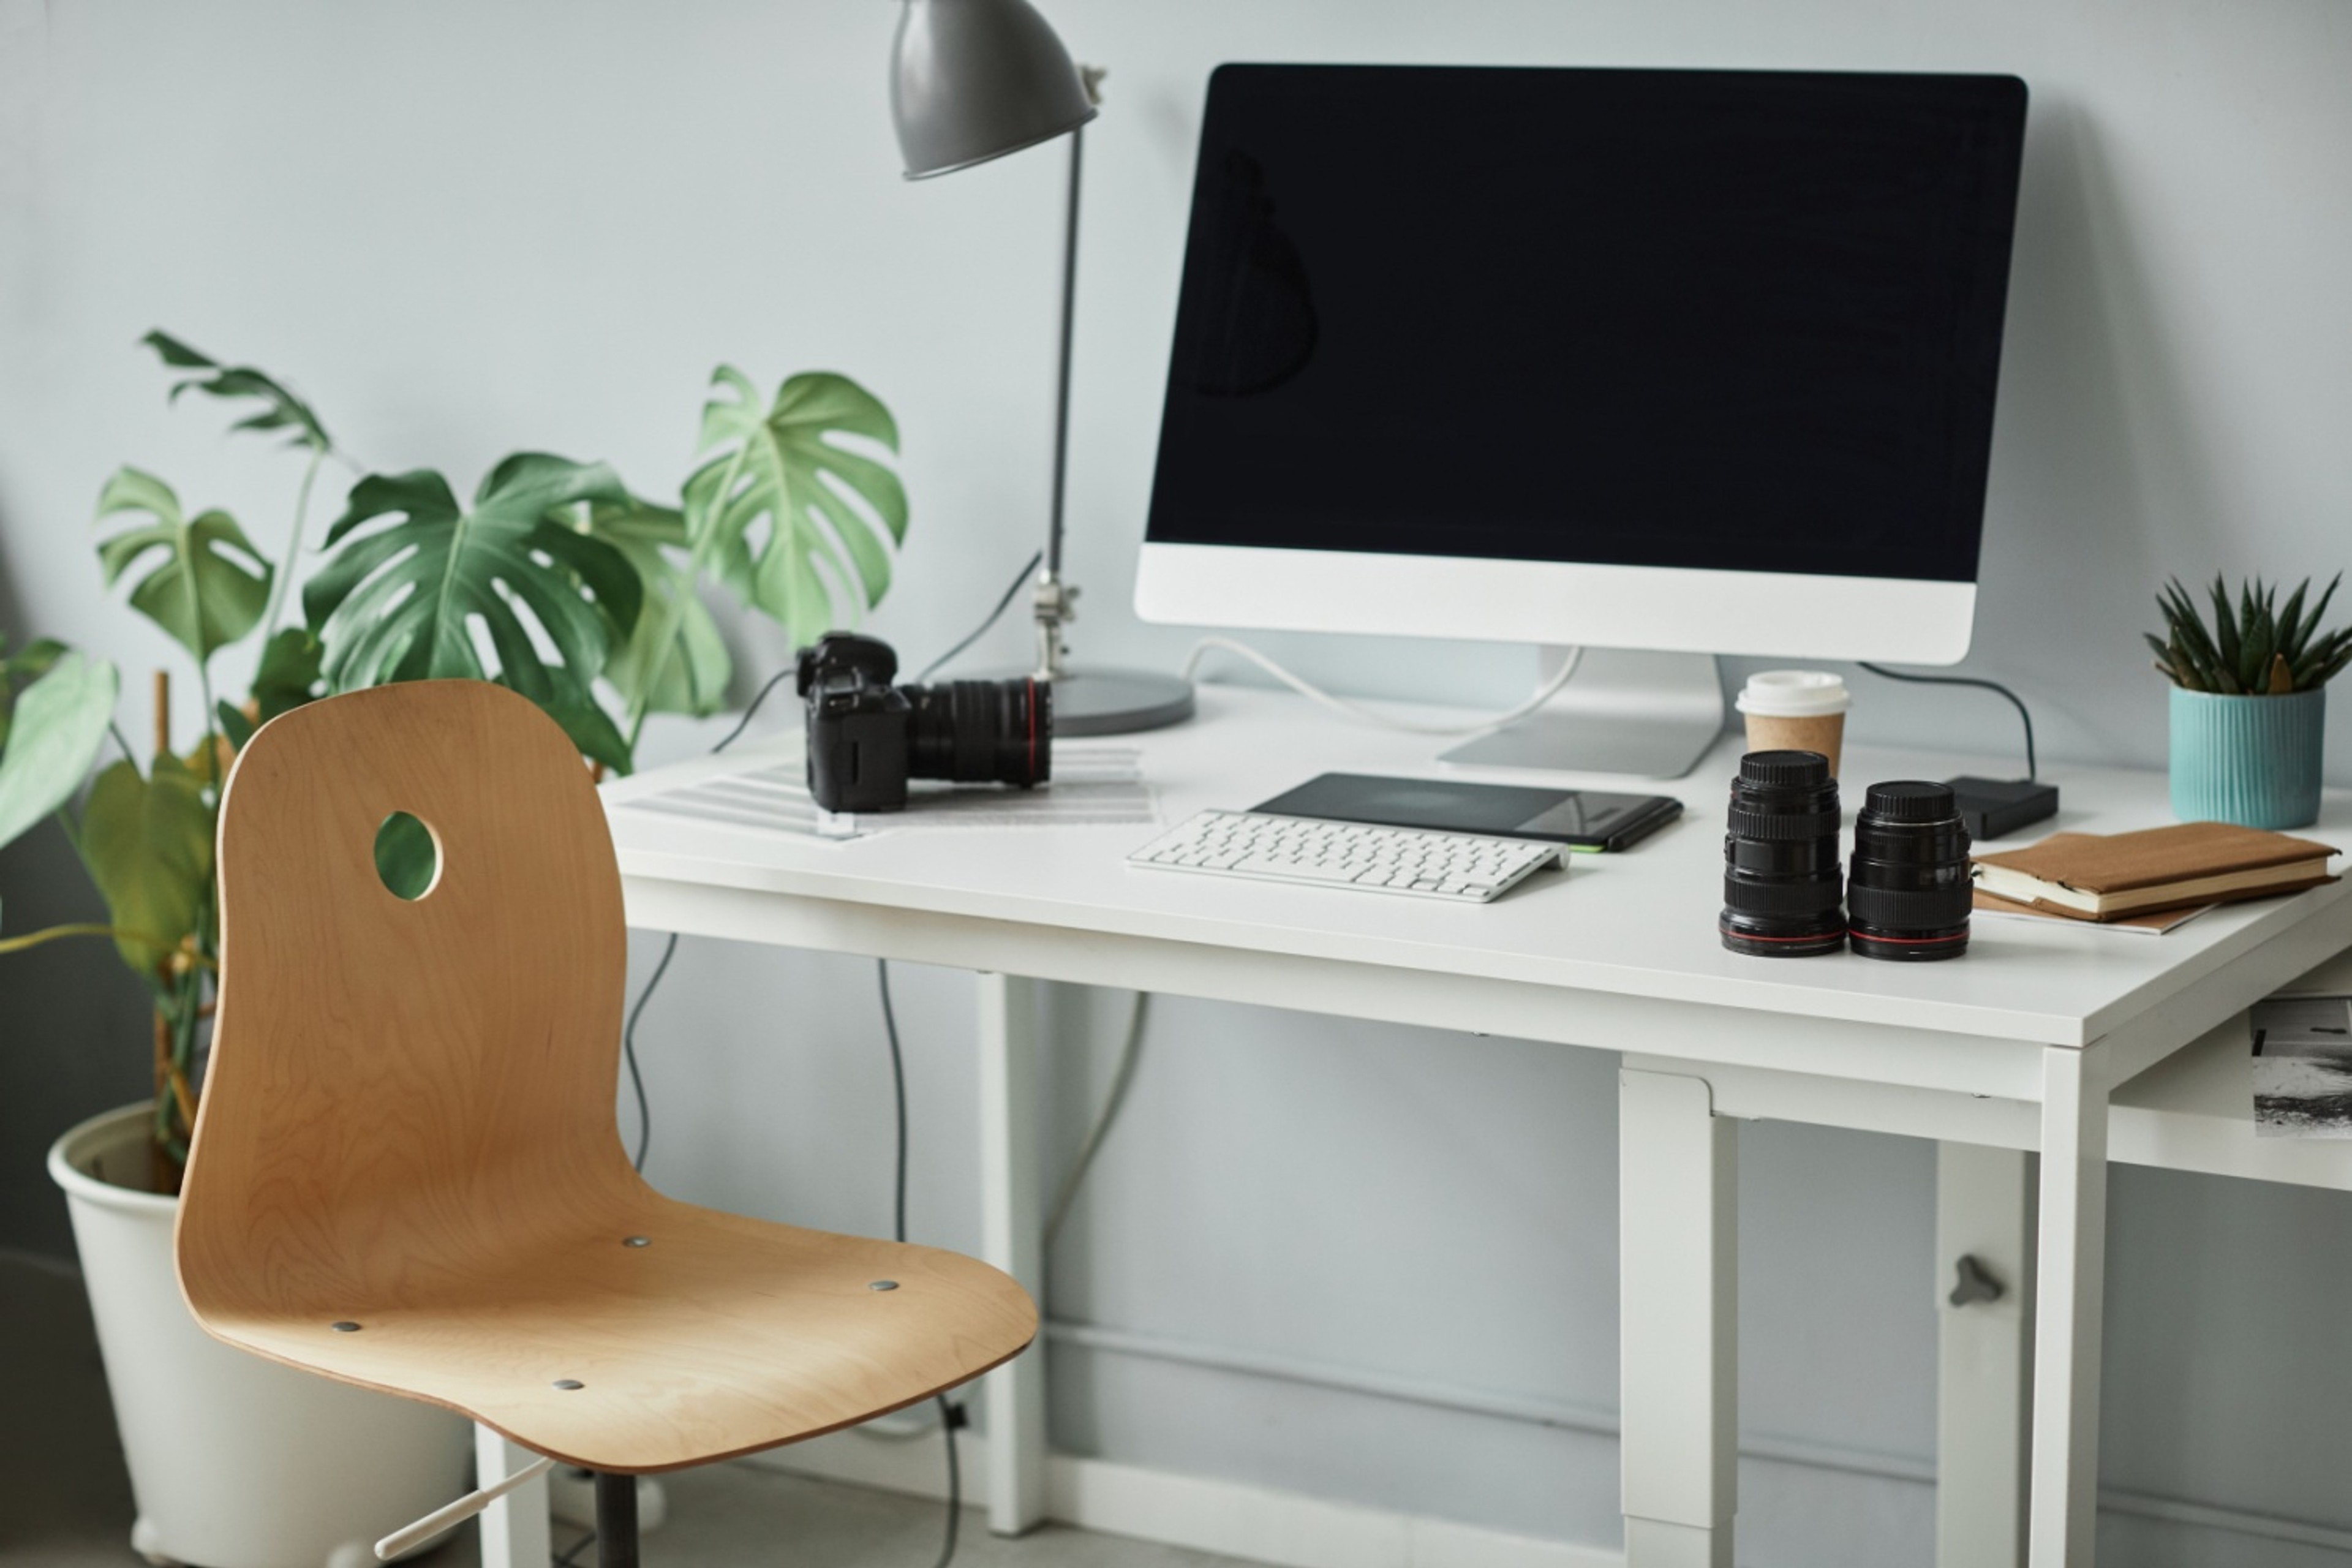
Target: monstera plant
x,y
556,579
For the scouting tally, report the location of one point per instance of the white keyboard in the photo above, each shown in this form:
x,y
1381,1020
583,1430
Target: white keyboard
x,y
1466,868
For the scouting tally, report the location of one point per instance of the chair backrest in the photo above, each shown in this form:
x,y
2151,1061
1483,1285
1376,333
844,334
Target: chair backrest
x,y
399,1089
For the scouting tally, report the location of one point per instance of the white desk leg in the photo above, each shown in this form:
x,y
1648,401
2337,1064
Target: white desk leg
x,y
1678,1255
514,1529
1012,1238
1984,1211
2069,1289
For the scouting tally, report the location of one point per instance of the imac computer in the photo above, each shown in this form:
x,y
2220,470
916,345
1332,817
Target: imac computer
x,y
1684,362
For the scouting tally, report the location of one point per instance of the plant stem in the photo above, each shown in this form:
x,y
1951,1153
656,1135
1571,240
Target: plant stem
x,y
210,750
279,589
92,928
51,933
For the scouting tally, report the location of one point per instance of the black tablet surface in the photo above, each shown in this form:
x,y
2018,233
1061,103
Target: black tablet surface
x,y
1581,819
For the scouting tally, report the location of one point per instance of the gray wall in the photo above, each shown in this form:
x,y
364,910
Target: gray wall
x,y
465,229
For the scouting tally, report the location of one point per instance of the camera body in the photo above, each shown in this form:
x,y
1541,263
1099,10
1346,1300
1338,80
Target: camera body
x,y
867,737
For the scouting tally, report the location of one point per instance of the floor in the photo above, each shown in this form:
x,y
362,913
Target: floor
x,y
64,1501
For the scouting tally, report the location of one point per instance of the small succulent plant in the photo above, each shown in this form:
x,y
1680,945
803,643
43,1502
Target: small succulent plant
x,y
2259,649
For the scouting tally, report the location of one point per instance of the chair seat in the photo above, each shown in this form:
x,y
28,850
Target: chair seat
x,y
717,1335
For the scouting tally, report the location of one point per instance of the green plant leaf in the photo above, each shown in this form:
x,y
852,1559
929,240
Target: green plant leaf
x,y
289,674
59,723
279,410
235,727
2291,632
2311,620
2225,640
821,561
686,671
2261,637
590,729
34,658
27,664
148,843
400,600
201,592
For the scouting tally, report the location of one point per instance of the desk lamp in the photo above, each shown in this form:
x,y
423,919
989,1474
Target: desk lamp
x,y
971,81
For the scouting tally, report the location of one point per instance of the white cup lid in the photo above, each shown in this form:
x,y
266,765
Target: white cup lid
x,y
1794,694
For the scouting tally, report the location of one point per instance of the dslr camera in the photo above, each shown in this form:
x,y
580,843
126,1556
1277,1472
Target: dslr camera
x,y
866,737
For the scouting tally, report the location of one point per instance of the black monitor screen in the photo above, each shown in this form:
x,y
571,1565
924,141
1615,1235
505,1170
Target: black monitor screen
x,y
1739,320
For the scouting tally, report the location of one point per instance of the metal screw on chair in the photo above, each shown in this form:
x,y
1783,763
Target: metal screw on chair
x,y
884,1285
345,1327
636,1241
567,1384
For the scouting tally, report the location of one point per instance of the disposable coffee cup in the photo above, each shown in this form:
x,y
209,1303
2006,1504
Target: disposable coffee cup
x,y
1796,710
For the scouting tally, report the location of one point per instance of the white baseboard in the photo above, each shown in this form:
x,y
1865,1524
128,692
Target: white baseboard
x,y
1292,1530
1230,1518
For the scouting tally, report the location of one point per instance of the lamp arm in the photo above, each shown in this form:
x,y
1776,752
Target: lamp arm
x,y
1056,601
1062,386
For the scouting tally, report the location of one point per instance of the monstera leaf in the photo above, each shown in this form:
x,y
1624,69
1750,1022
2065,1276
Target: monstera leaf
x,y
54,731
400,600
201,592
27,664
820,560
149,845
288,676
280,409
674,661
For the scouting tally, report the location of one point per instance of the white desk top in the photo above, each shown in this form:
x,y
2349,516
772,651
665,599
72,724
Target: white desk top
x,y
1642,923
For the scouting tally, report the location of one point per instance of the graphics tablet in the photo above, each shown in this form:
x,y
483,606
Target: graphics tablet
x,y
1581,818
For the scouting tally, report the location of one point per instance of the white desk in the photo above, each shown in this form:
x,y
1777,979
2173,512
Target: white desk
x,y
2014,1047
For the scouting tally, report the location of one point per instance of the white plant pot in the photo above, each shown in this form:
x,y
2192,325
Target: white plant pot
x,y
236,1462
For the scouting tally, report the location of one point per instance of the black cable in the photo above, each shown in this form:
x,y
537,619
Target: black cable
x,y
744,722
629,1052
629,1034
951,1415
572,1554
993,615
2031,770
898,1100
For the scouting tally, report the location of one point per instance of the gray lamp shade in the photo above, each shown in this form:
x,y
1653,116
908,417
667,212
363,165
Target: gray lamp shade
x,y
975,79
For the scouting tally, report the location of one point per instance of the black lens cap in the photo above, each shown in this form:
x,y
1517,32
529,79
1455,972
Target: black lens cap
x,y
1785,769
1910,800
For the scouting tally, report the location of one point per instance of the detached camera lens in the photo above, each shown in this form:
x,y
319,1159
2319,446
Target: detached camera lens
x,y
1910,892
1781,881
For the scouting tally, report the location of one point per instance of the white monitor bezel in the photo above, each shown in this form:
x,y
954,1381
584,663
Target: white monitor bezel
x,y
1768,614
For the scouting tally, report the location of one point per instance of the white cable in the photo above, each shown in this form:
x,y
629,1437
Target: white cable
x,y
1121,1078
1374,715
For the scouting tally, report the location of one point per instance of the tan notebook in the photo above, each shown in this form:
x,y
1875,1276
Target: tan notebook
x,y
2155,922
2102,877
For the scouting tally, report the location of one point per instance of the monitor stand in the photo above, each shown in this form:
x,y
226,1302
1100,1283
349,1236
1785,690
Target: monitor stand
x,y
1651,715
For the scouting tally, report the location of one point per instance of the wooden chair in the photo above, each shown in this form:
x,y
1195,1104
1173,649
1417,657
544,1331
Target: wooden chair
x,y
406,1172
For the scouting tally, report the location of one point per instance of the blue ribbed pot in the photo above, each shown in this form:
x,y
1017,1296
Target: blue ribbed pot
x,y
2253,760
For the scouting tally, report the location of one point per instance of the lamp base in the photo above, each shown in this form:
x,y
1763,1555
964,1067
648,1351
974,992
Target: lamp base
x,y
1114,702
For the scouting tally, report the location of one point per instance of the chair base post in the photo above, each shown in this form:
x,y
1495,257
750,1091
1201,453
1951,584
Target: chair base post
x,y
616,1520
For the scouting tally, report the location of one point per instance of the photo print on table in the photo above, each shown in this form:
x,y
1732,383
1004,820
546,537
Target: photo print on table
x,y
2302,1067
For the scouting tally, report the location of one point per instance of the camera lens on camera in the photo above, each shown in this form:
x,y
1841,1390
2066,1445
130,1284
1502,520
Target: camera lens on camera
x,y
1781,881
1910,895
982,732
